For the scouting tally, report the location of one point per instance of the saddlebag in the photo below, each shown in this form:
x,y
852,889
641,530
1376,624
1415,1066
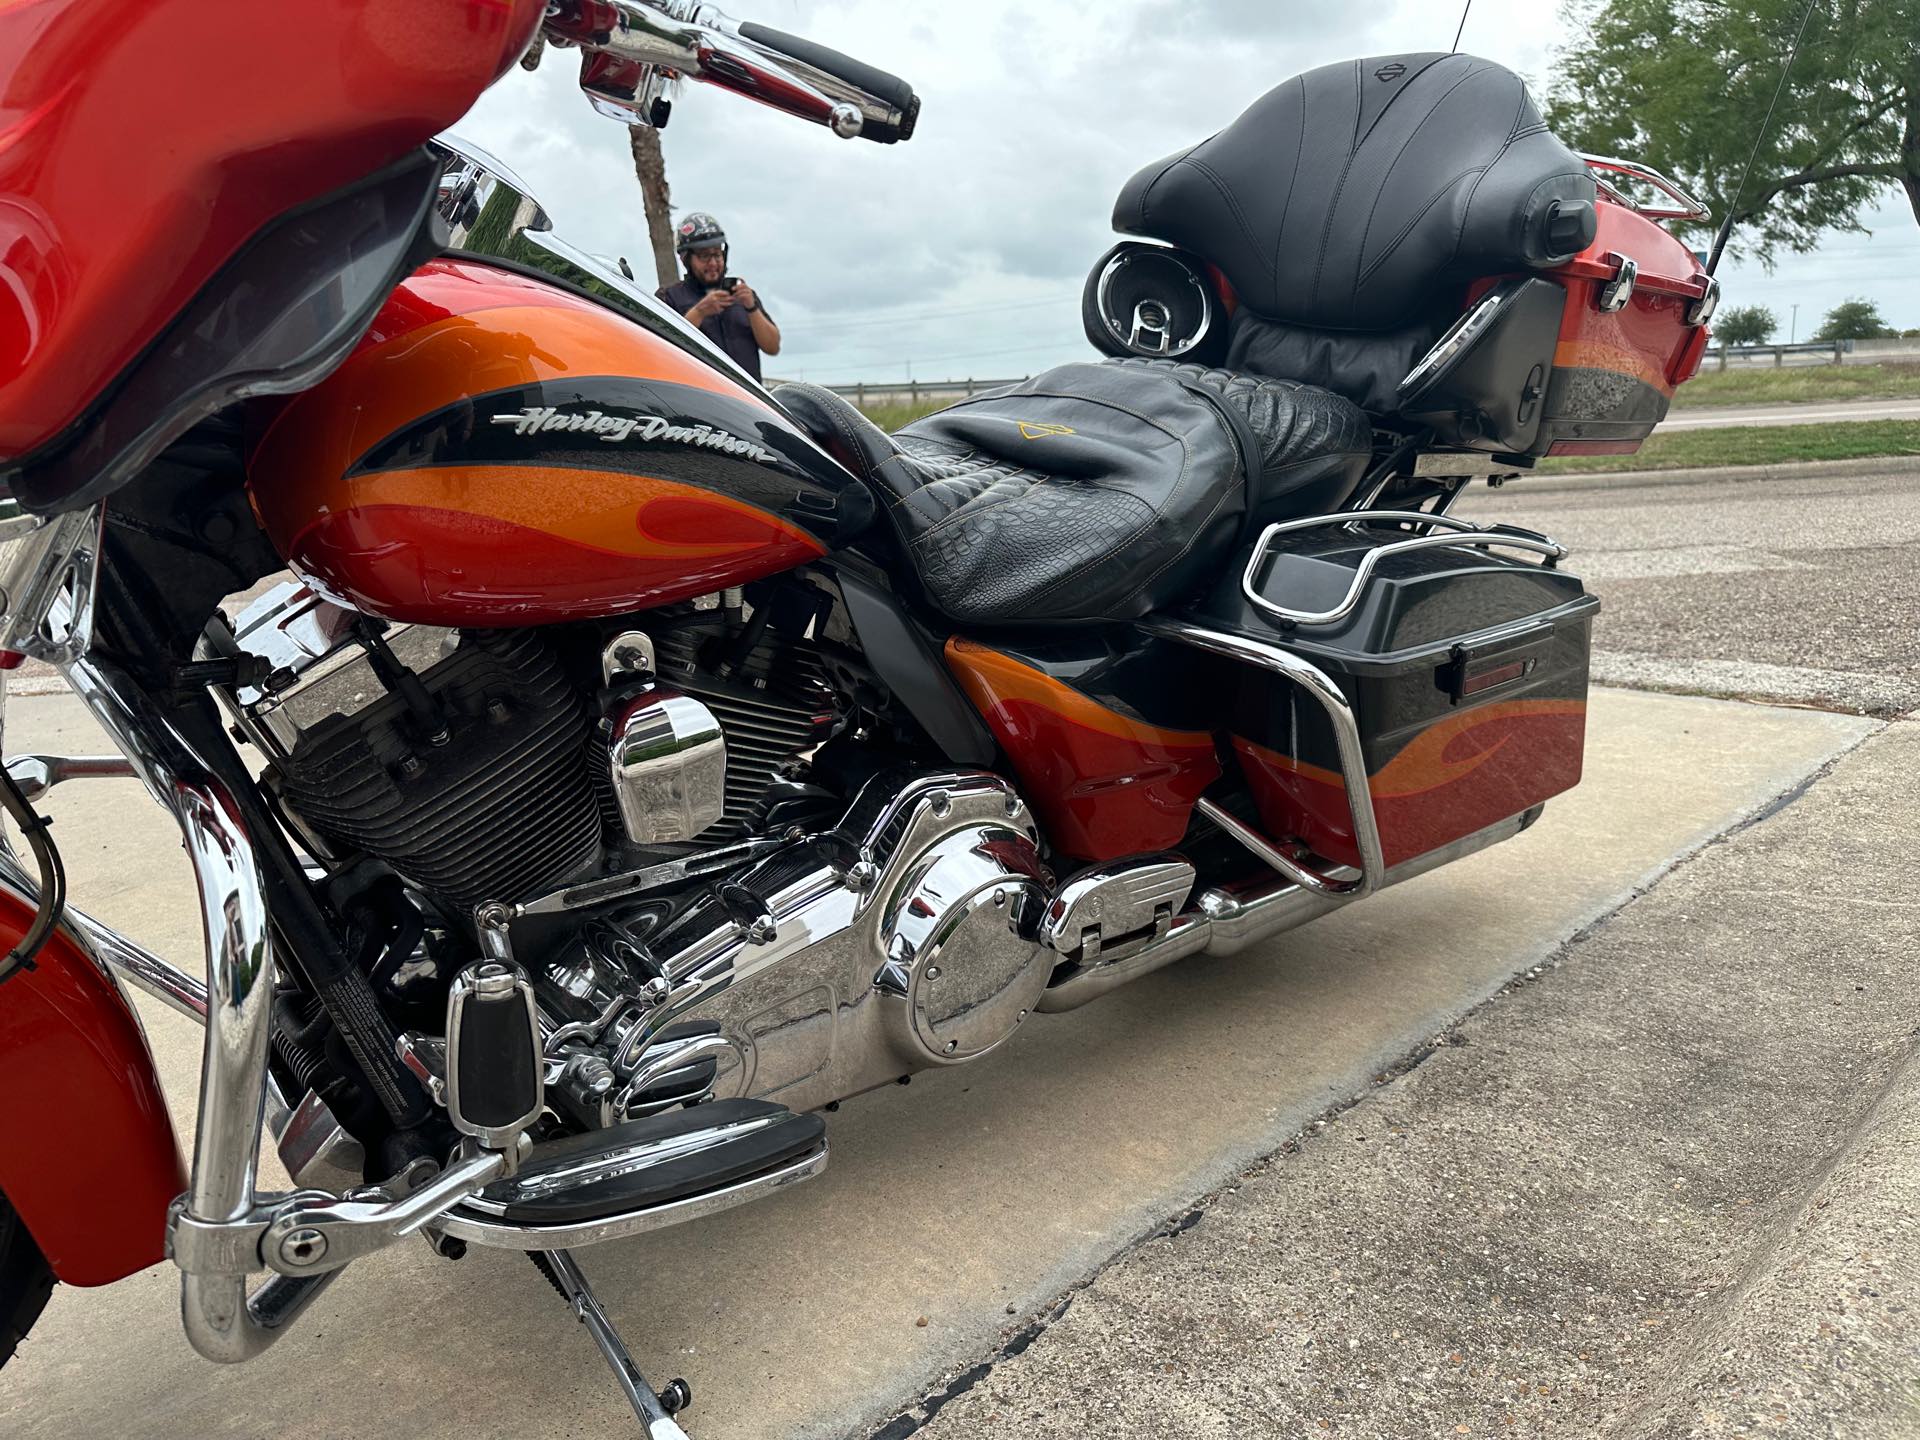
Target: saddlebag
x,y
1466,671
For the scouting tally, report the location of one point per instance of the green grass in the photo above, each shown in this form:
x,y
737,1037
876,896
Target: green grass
x,y
892,417
1754,445
1806,384
1684,449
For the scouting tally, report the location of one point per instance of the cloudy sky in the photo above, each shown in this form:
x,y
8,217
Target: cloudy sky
x,y
962,252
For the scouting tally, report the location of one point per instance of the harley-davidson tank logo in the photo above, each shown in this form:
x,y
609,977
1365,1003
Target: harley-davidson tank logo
x,y
613,429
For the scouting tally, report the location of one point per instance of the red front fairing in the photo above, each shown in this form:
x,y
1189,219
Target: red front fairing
x,y
87,1153
142,145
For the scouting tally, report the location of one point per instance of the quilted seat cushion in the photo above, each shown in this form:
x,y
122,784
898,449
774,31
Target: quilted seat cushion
x,y
1095,491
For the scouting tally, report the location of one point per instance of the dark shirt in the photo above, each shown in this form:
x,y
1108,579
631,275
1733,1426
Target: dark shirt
x,y
731,330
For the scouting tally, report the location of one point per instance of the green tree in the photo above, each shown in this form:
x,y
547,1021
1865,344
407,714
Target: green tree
x,y
1745,325
1853,320
499,221
1682,85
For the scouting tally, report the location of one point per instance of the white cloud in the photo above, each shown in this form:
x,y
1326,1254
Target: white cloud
x,y
963,251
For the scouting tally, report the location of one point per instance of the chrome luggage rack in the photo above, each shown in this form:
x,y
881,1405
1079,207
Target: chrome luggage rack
x,y
1457,532
1684,206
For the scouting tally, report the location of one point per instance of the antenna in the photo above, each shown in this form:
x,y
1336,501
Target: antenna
x,y
1725,231
1464,11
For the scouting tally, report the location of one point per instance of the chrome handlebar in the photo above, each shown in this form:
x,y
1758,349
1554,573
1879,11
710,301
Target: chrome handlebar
x,y
634,51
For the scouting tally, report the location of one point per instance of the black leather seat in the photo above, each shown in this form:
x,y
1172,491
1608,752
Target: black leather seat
x,y
1095,491
1349,206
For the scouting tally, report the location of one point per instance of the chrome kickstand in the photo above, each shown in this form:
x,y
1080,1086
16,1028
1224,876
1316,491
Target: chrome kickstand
x,y
656,1411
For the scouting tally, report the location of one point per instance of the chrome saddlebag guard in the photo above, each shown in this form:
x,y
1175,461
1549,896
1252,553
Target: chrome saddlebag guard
x,y
1466,671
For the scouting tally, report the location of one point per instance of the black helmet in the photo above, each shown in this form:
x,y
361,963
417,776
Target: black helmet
x,y
698,231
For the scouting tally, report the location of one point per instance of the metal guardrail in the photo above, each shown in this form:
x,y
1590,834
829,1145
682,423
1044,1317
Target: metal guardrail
x,y
912,392
1720,357
1832,352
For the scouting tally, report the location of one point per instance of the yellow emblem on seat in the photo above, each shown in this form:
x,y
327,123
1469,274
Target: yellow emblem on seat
x,y
1034,432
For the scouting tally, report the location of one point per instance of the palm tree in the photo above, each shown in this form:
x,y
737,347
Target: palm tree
x,y
651,166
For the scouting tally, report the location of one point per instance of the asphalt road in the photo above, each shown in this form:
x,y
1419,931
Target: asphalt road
x,y
959,1212
1803,589
1717,417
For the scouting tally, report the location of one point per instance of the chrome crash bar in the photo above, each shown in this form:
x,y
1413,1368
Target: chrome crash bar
x,y
222,1321
1459,532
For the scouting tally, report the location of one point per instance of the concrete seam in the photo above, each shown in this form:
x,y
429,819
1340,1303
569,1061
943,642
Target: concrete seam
x,y
1766,1253
913,1417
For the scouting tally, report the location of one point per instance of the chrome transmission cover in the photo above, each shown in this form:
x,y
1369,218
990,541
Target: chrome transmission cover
x,y
904,938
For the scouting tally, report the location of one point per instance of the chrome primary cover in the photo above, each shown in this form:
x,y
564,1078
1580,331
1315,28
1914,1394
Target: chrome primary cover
x,y
958,976
901,940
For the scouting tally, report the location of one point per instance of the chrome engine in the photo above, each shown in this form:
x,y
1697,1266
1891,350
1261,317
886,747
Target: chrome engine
x,y
457,757
904,938
478,767
671,962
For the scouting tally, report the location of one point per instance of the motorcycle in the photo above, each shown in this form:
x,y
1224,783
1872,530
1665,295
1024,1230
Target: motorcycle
x,y
643,761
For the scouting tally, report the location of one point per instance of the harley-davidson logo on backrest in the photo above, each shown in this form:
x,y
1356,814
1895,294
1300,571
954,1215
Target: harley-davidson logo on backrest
x,y
612,429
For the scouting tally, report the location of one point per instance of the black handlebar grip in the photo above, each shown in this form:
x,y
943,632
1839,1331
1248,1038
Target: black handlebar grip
x,y
890,90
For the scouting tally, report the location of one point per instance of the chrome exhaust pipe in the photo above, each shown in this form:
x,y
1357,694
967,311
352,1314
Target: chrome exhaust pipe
x,y
1221,923
1225,921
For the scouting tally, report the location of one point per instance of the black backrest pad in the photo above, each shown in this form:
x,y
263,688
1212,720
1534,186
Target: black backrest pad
x,y
1348,196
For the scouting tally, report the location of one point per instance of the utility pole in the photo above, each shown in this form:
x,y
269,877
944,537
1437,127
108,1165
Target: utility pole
x,y
1793,330
650,165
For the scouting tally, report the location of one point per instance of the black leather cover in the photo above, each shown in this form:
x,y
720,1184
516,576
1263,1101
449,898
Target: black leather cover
x,y
840,429
1366,369
1093,491
1313,446
1348,196
1089,492
1103,491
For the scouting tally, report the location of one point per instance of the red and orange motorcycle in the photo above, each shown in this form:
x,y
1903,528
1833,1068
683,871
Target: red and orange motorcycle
x,y
642,761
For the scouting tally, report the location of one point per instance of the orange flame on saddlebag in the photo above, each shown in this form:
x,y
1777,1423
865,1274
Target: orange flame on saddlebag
x,y
1461,774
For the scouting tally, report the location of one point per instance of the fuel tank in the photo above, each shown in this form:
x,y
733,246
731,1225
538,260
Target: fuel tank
x,y
503,450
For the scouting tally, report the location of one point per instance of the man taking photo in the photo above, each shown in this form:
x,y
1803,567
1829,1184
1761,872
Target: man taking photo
x,y
721,306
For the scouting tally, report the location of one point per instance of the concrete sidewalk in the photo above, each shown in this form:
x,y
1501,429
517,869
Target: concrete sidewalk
x,y
976,1189
1665,1185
